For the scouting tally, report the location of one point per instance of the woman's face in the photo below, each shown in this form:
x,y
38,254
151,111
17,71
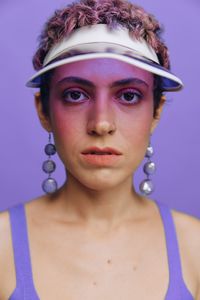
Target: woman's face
x,y
101,103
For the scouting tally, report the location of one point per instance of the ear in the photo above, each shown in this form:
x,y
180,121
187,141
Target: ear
x,y
44,120
158,114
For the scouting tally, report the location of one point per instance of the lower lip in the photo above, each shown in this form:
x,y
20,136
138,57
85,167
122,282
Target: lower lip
x,y
101,160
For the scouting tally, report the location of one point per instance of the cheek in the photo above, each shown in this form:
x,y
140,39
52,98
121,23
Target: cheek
x,y
135,129
67,127
138,123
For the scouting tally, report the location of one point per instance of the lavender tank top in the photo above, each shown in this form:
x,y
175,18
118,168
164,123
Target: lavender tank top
x,y
25,289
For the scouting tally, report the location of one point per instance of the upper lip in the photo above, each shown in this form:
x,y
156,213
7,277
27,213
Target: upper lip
x,y
108,150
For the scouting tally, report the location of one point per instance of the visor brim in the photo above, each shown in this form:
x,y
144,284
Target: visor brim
x,y
170,82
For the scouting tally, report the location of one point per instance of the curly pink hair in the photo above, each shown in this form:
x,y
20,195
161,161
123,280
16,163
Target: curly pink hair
x,y
111,12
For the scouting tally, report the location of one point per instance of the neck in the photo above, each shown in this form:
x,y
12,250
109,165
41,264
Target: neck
x,y
107,207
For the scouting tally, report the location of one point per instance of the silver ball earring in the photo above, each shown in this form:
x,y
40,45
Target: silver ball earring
x,y
49,185
146,186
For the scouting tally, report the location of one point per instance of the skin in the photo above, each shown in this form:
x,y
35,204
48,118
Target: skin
x,y
96,236
102,118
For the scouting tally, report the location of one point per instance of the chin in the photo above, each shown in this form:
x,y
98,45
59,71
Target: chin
x,y
100,180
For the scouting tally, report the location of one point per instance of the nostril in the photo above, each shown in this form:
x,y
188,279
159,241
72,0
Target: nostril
x,y
93,132
111,131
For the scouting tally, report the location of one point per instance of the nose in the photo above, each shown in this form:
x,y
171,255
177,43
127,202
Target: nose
x,y
101,120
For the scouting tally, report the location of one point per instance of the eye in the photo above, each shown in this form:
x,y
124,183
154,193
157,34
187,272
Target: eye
x,y
73,96
130,96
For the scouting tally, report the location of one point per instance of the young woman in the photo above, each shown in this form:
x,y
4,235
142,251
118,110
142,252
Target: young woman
x,y
102,70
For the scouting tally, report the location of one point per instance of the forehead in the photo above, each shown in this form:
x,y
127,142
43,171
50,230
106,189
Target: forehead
x,y
101,71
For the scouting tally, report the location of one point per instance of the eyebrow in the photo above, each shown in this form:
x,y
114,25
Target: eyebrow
x,y
132,80
90,84
78,80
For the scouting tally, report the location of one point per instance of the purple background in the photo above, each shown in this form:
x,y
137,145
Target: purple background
x,y
176,140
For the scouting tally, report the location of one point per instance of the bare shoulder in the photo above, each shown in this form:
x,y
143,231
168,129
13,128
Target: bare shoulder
x,y
6,254
7,265
188,227
188,232
5,231
5,234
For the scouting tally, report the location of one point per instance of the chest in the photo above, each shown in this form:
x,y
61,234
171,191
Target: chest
x,y
125,267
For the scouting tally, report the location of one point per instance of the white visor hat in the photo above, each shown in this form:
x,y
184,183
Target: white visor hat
x,y
98,41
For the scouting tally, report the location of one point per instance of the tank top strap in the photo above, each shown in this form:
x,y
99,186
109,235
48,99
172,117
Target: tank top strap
x,y
174,262
24,278
177,288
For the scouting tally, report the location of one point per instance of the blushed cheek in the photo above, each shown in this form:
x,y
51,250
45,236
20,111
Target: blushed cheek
x,y
138,123
66,128
137,135
136,130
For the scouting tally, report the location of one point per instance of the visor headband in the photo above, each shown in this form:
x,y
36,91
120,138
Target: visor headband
x,y
100,33
98,41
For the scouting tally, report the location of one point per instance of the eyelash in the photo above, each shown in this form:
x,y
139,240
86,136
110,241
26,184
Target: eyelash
x,y
133,91
67,92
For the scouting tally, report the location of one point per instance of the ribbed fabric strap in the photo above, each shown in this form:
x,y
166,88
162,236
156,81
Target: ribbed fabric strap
x,y
24,287
177,289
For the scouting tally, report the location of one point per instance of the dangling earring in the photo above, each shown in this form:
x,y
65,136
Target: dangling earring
x,y
146,186
49,185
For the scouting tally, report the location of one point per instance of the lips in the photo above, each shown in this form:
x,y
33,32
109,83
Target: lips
x,y
101,151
